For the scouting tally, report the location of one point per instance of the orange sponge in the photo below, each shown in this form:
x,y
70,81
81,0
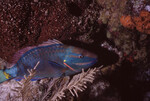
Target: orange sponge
x,y
141,23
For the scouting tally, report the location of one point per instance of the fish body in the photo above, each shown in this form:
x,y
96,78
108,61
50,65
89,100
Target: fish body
x,y
56,60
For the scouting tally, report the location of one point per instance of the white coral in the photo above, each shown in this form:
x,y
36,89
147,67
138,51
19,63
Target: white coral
x,y
57,89
77,83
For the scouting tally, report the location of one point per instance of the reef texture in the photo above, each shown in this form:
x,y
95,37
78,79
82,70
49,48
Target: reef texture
x,y
47,89
141,23
24,22
110,12
117,30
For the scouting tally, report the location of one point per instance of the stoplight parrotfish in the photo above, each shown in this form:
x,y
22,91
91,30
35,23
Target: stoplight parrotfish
x,y
56,60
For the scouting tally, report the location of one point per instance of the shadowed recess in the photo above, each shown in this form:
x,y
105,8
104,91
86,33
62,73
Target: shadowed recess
x,y
123,79
74,9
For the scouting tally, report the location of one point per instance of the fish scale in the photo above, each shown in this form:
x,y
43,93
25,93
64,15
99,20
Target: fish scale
x,y
39,52
56,60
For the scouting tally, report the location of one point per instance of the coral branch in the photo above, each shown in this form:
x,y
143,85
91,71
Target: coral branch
x,y
77,83
24,86
53,89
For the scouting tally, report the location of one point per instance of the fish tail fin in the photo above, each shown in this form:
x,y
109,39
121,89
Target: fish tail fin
x,y
8,73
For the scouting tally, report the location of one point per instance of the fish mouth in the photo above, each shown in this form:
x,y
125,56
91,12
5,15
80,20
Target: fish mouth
x,y
85,63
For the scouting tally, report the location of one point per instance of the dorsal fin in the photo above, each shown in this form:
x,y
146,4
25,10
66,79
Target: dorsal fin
x,y
50,42
18,54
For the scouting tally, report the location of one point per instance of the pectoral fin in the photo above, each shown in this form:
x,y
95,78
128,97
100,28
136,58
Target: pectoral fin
x,y
56,65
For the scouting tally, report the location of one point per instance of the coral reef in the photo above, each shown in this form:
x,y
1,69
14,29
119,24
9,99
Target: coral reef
x,y
24,87
57,88
147,7
112,10
117,30
141,23
132,44
25,23
126,21
2,63
137,6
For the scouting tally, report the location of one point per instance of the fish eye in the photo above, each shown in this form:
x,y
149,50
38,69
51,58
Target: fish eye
x,y
81,56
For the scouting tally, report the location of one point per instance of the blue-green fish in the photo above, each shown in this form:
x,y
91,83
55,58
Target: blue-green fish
x,y
55,60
